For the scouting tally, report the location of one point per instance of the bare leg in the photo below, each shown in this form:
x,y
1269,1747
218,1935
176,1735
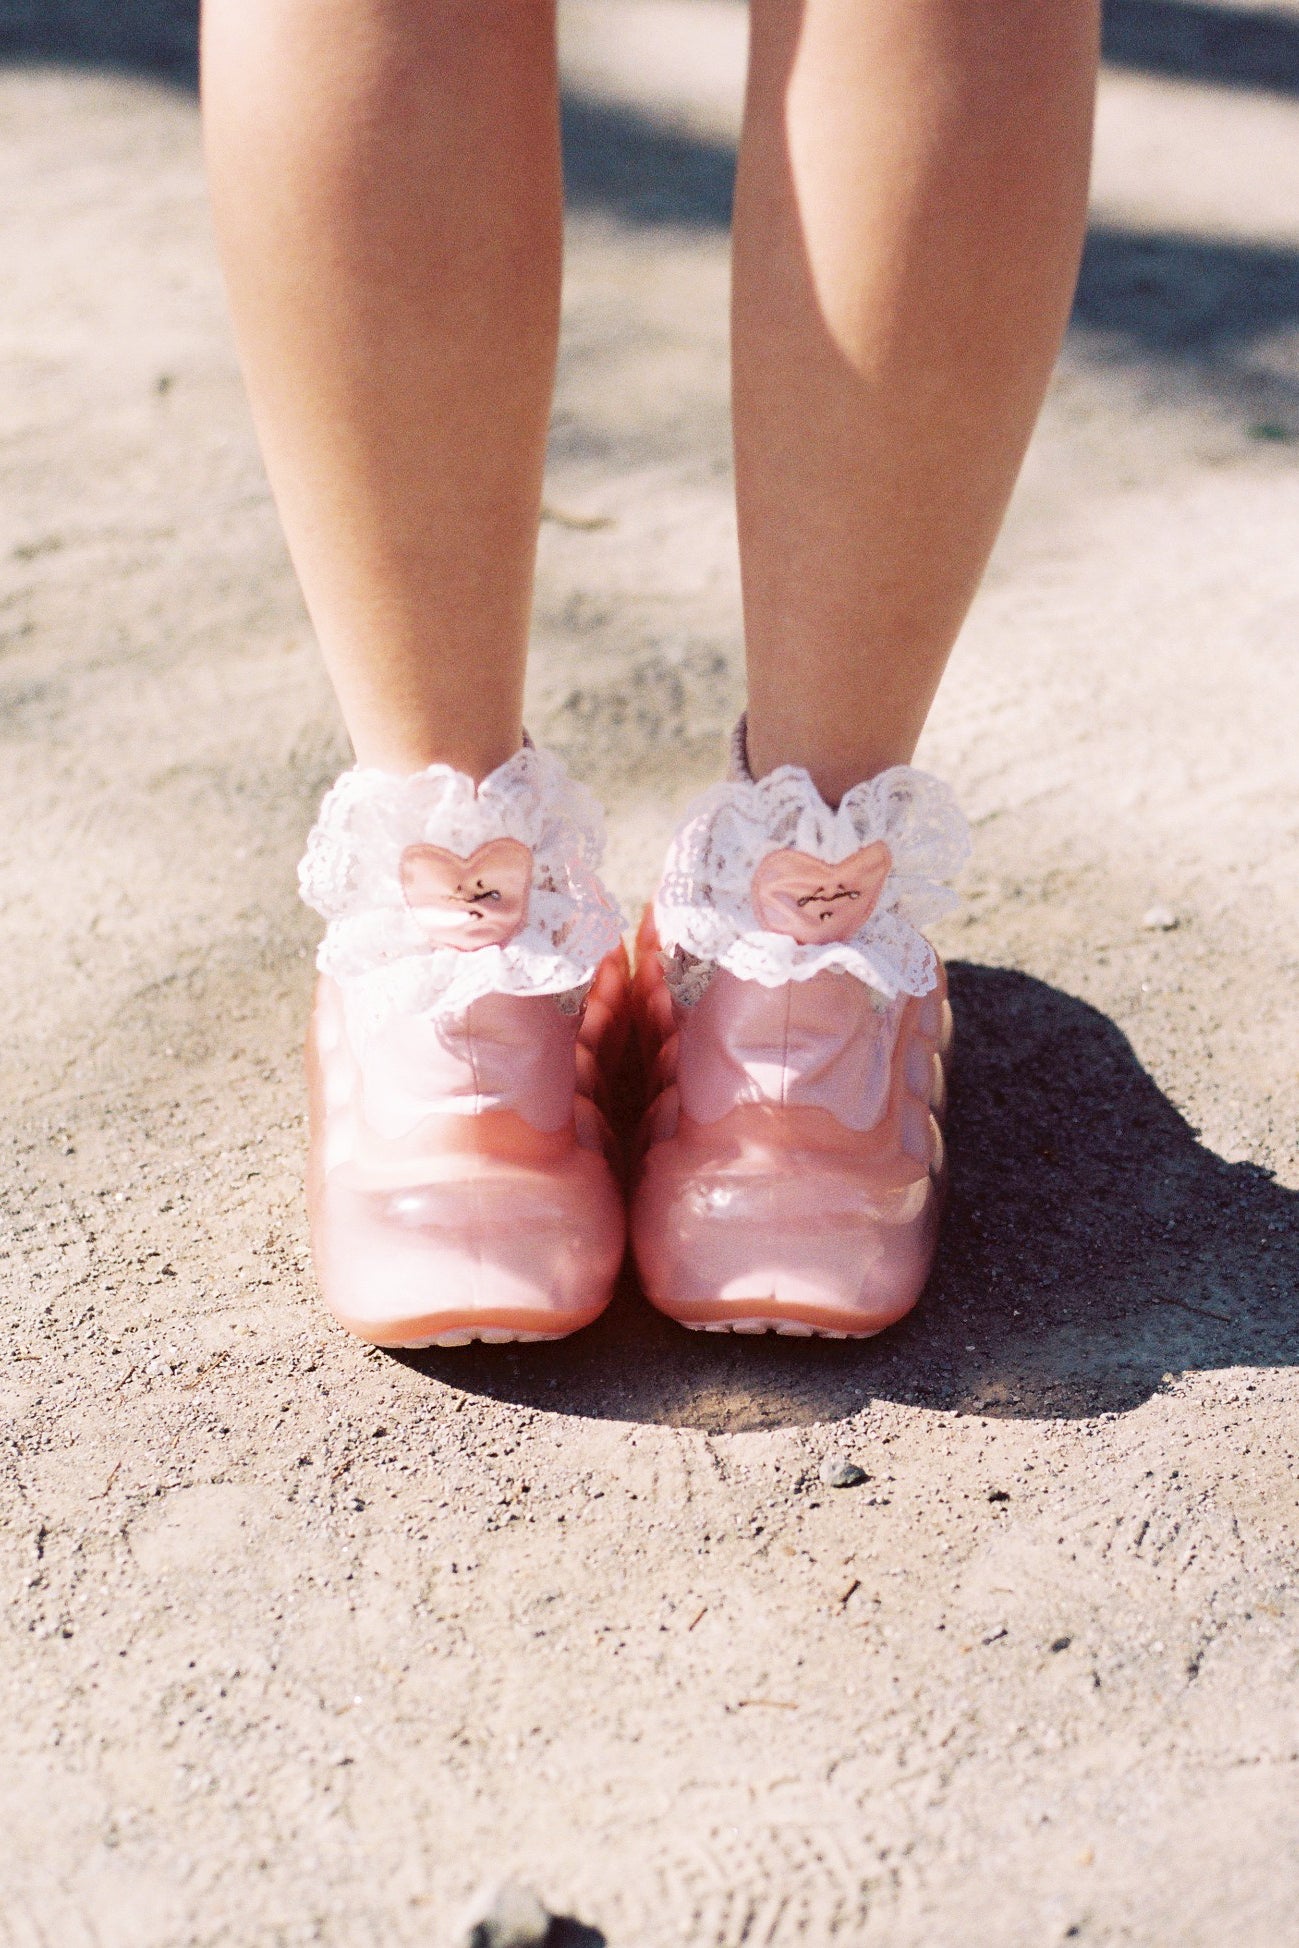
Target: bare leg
x,y
386,181
909,215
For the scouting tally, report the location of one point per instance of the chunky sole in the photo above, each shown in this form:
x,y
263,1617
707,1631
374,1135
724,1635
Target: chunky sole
x,y
717,1279
469,1336
783,1328
893,1291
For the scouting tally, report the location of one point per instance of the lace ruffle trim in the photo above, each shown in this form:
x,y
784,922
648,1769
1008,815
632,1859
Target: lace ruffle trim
x,y
704,909
375,946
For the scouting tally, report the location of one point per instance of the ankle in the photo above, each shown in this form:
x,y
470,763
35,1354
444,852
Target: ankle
x,y
834,764
403,751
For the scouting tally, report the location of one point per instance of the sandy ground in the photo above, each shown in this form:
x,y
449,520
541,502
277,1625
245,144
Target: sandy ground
x,y
301,1642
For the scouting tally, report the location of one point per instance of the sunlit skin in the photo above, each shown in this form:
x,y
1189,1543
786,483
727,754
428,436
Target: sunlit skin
x,y
387,192
386,185
908,220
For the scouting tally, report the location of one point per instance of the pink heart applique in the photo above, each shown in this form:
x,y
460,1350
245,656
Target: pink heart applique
x,y
481,901
795,894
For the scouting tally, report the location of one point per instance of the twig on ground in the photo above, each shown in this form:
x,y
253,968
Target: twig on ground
x,y
203,1371
1198,1311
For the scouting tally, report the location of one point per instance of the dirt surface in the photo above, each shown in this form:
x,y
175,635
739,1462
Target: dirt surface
x,y
302,1642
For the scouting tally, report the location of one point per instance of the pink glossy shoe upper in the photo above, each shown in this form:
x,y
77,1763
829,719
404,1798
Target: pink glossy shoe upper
x,y
461,1186
792,1160
502,1053
822,1044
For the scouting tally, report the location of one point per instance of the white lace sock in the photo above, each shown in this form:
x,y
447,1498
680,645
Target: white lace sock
x,y
395,866
903,823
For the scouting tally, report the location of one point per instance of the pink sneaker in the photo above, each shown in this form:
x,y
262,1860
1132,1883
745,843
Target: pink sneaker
x,y
797,1033
472,996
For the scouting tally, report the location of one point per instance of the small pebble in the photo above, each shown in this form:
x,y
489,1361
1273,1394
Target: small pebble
x,y
508,1916
1159,919
837,1471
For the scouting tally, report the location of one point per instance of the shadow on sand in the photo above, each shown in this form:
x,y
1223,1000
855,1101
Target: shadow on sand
x,y
1193,311
1092,1248
153,37
1232,46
